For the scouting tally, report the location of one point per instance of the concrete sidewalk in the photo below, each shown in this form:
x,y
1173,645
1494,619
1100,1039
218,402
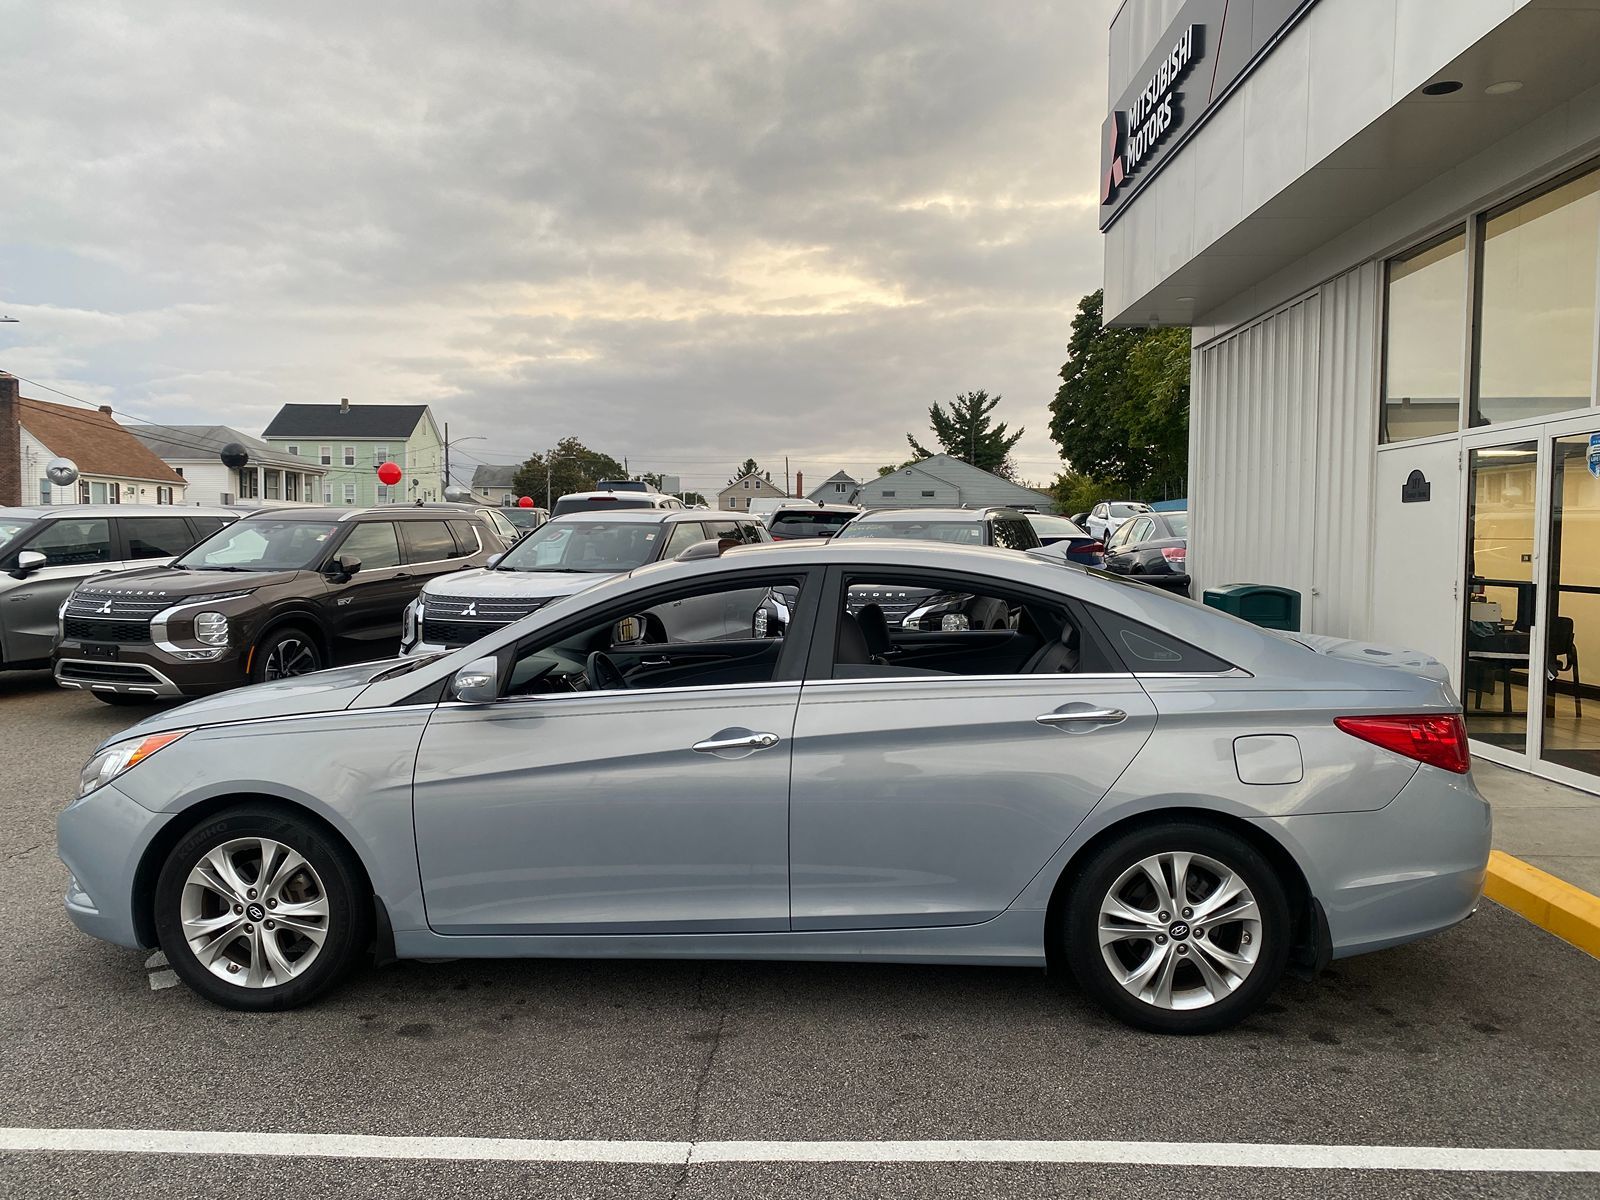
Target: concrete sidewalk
x,y
1545,824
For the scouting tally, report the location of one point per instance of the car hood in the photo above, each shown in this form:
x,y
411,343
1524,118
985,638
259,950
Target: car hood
x,y
318,692
1413,661
180,582
485,583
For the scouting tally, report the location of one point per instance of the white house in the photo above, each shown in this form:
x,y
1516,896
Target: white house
x,y
269,479
739,493
838,488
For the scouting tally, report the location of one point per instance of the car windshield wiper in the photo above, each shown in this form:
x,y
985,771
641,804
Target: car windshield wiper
x,y
200,568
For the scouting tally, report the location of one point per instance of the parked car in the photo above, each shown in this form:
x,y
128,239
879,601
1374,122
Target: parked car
x,y
1154,549
278,593
622,485
46,551
492,515
1172,803
809,520
611,501
1077,544
1105,517
566,555
524,519
1004,527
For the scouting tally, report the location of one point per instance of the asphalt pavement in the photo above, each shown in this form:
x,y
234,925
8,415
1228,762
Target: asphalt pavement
x,y
1485,1036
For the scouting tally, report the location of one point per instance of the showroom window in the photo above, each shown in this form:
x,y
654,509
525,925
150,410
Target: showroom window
x,y
1426,307
1536,305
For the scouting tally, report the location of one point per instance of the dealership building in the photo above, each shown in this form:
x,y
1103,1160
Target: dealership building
x,y
1381,219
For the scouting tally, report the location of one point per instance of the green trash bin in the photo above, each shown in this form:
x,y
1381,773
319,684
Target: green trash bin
x,y
1259,603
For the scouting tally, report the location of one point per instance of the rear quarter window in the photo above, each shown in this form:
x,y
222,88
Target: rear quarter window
x,y
1146,650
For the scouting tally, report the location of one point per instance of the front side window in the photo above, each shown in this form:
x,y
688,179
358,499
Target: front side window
x,y
156,537
700,638
265,545
684,535
375,543
598,546
1424,310
1536,316
71,543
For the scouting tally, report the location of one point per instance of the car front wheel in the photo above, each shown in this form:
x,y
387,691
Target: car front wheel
x,y
1178,928
258,909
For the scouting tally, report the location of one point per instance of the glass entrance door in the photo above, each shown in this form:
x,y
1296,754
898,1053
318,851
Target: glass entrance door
x,y
1502,526
1570,730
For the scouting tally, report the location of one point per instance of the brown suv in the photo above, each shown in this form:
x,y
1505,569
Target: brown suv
x,y
278,593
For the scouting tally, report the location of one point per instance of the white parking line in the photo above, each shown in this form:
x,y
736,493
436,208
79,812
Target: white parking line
x,y
1179,1154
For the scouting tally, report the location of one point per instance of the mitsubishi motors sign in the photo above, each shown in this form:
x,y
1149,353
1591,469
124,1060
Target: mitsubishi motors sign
x,y
1134,132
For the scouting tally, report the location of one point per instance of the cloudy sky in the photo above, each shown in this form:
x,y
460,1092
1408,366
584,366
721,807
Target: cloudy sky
x,y
683,232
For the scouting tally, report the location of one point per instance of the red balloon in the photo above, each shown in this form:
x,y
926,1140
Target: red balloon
x,y
389,473
524,501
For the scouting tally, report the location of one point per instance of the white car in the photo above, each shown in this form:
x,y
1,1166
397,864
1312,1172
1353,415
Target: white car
x,y
1106,516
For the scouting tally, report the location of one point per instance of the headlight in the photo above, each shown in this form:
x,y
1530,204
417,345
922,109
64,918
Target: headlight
x,y
116,759
211,628
408,624
943,611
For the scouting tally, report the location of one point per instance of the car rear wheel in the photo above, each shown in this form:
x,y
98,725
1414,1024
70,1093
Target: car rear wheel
x,y
1178,928
258,909
284,654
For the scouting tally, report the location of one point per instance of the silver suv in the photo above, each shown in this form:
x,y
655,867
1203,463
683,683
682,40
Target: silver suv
x,y
46,551
570,553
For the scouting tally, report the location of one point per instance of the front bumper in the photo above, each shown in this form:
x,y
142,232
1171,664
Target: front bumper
x,y
1398,873
102,838
143,669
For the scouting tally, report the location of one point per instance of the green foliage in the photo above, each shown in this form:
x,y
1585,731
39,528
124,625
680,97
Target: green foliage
x,y
750,467
1077,493
1121,415
966,430
573,467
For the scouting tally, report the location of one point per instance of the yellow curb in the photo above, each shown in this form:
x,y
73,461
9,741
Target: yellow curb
x,y
1570,913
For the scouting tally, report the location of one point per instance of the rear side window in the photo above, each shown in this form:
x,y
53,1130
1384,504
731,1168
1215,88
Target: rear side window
x,y
156,537
1149,651
466,537
1013,534
427,541
204,527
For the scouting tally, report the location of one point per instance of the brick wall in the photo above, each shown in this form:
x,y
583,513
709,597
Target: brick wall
x,y
10,442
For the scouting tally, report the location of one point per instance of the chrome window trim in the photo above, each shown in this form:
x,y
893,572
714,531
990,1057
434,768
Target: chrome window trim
x,y
614,693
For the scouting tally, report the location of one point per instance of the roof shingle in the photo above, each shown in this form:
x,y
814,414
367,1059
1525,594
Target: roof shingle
x,y
93,439
397,421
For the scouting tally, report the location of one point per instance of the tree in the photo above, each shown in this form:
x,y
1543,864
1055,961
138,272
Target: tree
x,y
750,467
1121,415
967,431
572,467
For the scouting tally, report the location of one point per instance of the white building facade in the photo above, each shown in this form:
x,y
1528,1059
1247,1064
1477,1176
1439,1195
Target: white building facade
x,y
1381,219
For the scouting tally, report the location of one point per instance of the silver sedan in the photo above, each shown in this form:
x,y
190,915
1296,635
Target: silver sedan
x,y
1175,805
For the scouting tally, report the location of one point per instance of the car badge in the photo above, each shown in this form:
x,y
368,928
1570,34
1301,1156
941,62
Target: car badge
x,y
105,608
471,609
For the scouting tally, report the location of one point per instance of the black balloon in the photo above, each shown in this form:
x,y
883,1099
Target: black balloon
x,y
234,455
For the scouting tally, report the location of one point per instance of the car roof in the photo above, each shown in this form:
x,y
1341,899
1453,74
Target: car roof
x,y
642,516
119,510
937,514
402,512
613,492
821,508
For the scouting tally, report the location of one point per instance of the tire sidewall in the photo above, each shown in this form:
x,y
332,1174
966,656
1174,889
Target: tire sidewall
x,y
347,911
265,647
1080,928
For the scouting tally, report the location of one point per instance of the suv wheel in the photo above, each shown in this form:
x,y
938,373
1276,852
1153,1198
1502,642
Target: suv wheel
x,y
260,910
284,654
1180,928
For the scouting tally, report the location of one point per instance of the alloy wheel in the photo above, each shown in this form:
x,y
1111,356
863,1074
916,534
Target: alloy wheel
x,y
288,657
254,912
1180,930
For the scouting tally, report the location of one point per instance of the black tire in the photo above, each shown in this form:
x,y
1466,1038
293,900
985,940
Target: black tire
x,y
1080,930
119,699
277,645
338,882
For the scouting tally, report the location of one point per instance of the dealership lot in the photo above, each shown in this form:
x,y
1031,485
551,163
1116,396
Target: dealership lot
x,y
1481,1037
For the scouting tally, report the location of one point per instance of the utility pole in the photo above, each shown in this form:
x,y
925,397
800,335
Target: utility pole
x,y
547,504
447,483
785,474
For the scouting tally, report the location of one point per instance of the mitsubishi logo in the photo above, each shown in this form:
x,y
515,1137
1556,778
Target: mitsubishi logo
x,y
104,608
471,609
1117,172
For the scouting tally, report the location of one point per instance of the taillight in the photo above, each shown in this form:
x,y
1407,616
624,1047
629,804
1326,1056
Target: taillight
x,y
1175,553
1092,548
1440,740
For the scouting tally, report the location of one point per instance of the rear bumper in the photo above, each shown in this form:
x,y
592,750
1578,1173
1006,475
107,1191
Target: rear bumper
x,y
1391,875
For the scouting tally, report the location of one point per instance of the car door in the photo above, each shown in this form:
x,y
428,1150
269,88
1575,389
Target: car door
x,y
367,608
75,549
655,809
923,797
1128,534
430,550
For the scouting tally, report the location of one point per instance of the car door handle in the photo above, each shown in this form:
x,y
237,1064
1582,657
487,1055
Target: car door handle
x,y
747,741
1083,716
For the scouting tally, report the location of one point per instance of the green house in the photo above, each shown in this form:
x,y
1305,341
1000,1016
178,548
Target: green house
x,y
351,441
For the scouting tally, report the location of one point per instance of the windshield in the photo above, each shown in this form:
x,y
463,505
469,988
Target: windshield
x,y
265,545
600,546
1179,522
524,518
960,533
1129,510
11,526
572,504
1054,526
807,524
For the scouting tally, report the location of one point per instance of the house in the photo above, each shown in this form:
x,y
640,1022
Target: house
x,y
271,478
838,488
491,483
740,492
114,467
946,482
351,441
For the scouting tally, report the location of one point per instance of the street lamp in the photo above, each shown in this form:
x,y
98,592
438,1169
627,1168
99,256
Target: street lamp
x,y
9,321
448,481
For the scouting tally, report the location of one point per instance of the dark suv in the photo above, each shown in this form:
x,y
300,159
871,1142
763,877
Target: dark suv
x,y
278,593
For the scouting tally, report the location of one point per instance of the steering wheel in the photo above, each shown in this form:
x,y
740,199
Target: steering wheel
x,y
603,673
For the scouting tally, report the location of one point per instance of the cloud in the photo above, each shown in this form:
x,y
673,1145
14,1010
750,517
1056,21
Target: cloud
x,y
685,232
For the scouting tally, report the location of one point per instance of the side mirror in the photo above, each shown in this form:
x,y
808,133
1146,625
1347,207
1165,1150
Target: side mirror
x,y
344,567
493,560
28,562
478,682
628,631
